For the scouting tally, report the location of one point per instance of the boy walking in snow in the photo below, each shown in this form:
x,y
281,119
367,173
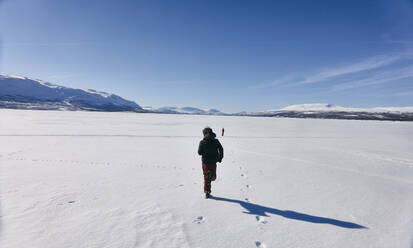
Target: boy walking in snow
x,y
212,152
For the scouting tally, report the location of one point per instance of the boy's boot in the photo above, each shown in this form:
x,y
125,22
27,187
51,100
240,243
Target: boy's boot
x,y
208,182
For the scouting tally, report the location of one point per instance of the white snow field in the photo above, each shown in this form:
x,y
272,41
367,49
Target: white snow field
x,y
93,179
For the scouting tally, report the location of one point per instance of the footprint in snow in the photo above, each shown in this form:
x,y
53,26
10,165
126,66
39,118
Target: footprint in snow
x,y
260,244
248,186
261,219
243,175
199,220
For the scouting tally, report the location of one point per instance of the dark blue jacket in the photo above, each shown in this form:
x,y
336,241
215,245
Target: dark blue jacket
x,y
210,149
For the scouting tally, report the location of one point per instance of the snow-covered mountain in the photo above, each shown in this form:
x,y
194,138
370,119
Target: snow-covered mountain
x,y
25,93
184,110
329,111
324,107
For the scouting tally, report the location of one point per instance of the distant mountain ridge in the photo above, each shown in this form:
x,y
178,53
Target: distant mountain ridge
x,y
18,92
25,93
329,111
184,110
329,107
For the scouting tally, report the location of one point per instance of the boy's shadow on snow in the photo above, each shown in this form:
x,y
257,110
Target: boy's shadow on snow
x,y
263,211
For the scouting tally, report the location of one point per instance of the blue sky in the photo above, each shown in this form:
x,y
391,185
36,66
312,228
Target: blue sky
x,y
230,55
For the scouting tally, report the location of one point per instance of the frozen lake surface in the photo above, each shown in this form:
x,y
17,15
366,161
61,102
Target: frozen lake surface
x,y
90,179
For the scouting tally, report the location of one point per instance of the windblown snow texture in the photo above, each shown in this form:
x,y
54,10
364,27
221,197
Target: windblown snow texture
x,y
98,179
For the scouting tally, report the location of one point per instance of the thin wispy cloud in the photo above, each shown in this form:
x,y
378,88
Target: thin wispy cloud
x,y
364,65
60,76
278,82
47,44
177,82
404,93
370,71
378,78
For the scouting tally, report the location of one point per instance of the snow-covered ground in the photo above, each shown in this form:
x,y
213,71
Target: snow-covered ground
x,y
89,179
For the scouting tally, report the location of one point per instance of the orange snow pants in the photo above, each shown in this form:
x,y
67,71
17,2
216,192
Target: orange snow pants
x,y
212,169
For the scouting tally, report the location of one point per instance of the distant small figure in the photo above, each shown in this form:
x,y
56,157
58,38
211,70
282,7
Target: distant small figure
x,y
212,152
223,131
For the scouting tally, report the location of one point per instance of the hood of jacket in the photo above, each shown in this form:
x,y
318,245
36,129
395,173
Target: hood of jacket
x,y
210,136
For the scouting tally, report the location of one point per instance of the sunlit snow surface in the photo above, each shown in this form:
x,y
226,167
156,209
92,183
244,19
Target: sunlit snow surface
x,y
87,179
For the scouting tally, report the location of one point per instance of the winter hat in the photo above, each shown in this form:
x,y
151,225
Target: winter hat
x,y
207,130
